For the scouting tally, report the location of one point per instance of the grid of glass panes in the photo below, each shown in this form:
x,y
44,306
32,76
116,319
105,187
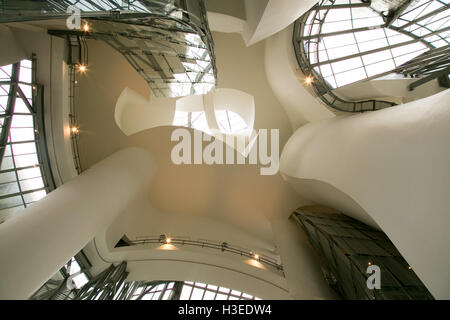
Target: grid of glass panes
x,y
161,291
350,56
230,122
21,181
196,120
202,291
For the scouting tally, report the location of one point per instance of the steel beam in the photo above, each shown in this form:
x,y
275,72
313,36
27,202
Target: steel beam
x,y
432,76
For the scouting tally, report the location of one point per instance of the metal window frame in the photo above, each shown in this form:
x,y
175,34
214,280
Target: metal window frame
x,y
36,111
302,41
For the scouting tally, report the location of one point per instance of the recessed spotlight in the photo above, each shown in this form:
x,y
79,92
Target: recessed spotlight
x,y
82,68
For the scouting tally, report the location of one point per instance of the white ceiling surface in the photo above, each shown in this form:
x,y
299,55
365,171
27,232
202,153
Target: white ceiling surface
x,y
281,68
262,19
236,196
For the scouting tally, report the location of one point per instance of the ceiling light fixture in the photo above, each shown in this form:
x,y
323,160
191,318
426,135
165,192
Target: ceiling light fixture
x,y
82,68
308,80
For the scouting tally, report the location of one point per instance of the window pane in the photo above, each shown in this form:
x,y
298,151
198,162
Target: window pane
x,y
185,292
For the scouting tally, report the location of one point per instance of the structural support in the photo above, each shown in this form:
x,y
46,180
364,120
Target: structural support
x,y
9,109
48,233
301,265
434,75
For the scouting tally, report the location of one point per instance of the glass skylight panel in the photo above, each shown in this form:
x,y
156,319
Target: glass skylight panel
x,y
410,48
80,280
201,291
20,170
221,296
367,22
339,41
325,70
336,26
338,15
186,292
350,76
343,51
346,65
410,27
209,295
198,121
380,67
197,294
230,122
399,60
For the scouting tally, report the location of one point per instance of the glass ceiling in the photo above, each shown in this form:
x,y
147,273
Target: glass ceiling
x,y
347,41
21,176
167,42
229,122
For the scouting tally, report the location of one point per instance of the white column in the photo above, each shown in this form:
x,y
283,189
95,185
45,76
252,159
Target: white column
x,y
37,242
390,166
300,263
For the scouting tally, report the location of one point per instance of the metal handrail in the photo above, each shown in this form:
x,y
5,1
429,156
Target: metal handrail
x,y
223,246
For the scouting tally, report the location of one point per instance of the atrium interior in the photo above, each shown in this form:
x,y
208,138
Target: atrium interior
x,y
224,150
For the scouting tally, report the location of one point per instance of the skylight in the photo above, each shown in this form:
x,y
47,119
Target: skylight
x,y
202,291
21,179
196,120
229,122
347,41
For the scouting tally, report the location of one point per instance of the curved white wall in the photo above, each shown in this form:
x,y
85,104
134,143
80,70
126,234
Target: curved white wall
x,y
134,113
285,79
394,164
20,42
11,51
263,18
36,243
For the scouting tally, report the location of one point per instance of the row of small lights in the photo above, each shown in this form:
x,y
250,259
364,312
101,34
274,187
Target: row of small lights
x,y
255,256
82,69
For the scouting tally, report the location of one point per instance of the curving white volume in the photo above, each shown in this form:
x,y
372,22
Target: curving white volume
x,y
49,232
390,166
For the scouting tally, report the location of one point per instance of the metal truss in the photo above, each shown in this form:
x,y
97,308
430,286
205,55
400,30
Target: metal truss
x,y
348,247
61,286
168,42
428,27
111,284
25,174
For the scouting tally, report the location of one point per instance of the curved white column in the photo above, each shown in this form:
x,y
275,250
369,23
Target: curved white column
x,y
36,243
285,78
394,163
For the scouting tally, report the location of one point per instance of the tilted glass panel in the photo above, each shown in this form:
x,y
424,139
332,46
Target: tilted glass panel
x,y
167,42
21,181
358,41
